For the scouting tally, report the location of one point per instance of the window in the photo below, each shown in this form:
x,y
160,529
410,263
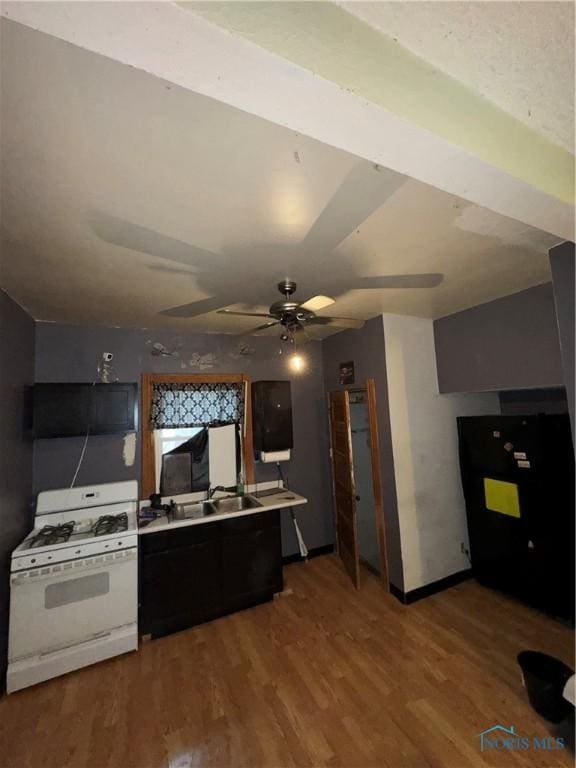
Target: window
x,y
196,404
165,440
169,418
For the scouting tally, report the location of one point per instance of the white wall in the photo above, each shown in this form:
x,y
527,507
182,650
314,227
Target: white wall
x,y
431,507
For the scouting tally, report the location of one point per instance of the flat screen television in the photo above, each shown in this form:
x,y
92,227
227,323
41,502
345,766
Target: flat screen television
x,y
73,410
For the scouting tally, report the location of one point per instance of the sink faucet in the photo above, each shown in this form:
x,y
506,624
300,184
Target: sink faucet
x,y
212,490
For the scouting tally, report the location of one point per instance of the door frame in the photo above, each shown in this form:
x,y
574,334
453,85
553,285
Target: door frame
x,y
370,389
354,573
377,481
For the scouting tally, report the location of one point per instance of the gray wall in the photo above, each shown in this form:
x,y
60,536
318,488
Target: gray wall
x,y
68,353
562,265
366,348
16,374
510,343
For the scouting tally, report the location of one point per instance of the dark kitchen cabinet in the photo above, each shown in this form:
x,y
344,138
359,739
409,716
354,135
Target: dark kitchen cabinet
x,y
179,579
272,416
196,573
251,560
71,410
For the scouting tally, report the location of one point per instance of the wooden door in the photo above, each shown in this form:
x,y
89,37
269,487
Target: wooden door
x,y
343,482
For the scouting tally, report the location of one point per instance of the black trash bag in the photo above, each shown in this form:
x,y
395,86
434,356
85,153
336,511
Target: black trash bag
x,y
544,679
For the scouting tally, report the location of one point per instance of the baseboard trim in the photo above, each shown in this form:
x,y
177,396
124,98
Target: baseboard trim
x,y
328,549
430,589
398,594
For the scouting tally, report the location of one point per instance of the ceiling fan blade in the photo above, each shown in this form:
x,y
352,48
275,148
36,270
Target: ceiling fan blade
x,y
259,328
363,191
265,326
427,280
128,235
243,314
317,302
195,308
172,270
341,322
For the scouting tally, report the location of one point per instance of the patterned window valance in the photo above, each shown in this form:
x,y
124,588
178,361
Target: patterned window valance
x,y
195,405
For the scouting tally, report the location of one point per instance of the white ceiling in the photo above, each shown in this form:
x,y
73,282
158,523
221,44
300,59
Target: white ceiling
x,y
519,55
124,195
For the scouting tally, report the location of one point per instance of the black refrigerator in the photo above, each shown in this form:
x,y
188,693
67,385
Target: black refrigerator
x,y
518,482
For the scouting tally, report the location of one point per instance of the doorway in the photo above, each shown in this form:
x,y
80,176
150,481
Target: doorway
x,y
357,484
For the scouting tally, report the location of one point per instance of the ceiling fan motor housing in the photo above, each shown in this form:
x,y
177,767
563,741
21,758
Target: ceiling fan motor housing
x,y
287,287
289,312
294,316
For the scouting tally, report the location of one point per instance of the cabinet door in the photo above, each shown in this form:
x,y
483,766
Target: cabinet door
x,y
113,408
251,559
180,588
178,538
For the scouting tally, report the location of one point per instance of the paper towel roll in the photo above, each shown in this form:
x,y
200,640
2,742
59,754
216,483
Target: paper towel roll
x,y
267,457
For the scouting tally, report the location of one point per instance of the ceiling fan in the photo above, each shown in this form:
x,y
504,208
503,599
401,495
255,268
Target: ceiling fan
x,y
293,316
362,192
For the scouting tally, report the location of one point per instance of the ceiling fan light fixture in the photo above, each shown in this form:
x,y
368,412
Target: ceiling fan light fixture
x,y
297,363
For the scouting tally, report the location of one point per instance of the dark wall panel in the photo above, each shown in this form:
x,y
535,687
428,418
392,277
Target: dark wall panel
x,y
532,401
16,375
69,353
509,343
366,349
562,265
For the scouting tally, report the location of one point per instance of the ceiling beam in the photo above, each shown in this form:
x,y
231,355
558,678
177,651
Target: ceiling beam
x,y
342,48
195,53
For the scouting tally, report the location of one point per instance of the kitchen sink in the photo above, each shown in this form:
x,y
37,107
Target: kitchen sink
x,y
199,509
192,511
233,504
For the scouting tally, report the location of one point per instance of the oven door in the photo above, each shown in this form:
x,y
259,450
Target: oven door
x,y
66,604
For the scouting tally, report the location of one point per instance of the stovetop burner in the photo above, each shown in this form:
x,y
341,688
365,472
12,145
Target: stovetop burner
x,y
52,534
110,524
78,530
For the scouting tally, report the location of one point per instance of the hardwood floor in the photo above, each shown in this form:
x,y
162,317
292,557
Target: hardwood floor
x,y
321,676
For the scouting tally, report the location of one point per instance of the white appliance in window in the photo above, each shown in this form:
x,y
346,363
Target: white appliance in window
x,y
74,583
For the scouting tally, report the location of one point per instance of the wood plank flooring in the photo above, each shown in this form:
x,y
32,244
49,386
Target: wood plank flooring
x,y
321,676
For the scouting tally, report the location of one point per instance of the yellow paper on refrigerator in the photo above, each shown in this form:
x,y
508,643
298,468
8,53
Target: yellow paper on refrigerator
x,y
502,497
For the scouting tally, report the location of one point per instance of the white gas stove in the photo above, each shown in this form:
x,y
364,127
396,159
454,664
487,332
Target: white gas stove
x,y
74,583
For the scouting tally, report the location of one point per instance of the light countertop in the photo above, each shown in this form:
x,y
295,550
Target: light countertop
x,y
281,499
